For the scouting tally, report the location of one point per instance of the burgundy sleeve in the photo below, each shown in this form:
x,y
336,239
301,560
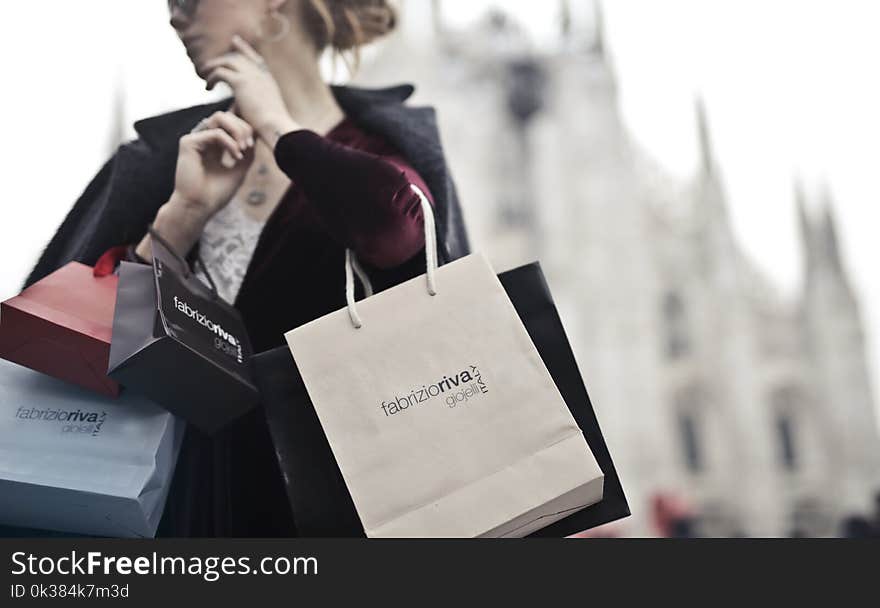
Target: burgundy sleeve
x,y
364,199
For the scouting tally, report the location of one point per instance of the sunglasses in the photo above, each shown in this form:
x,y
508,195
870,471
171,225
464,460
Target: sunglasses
x,y
187,7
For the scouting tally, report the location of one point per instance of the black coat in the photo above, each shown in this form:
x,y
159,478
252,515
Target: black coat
x,y
230,484
123,198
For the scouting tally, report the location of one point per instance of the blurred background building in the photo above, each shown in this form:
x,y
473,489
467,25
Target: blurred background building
x,y
750,410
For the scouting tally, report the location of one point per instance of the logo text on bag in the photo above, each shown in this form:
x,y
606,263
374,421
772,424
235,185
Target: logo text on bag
x,y
232,345
455,389
77,421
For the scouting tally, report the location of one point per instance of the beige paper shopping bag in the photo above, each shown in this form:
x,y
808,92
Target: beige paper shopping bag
x,y
440,412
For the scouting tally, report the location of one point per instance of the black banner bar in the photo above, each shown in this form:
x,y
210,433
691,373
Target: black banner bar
x,y
237,572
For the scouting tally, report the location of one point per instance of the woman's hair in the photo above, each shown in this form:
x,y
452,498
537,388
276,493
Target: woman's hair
x,y
346,25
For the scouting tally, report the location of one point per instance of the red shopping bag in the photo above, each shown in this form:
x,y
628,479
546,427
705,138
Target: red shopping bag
x,y
61,326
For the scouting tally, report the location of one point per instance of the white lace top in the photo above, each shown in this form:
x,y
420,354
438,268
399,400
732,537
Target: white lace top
x,y
226,247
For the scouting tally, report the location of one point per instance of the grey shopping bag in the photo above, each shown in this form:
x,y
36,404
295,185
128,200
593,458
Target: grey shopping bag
x,y
75,461
177,342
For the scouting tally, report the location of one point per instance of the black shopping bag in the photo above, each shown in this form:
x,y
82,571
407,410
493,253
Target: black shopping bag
x,y
175,341
321,503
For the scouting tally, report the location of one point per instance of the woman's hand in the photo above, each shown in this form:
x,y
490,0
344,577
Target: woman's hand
x,y
212,162
257,95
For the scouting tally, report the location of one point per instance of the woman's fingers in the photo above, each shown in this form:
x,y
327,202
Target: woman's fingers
x,y
234,125
241,59
234,61
224,74
246,49
200,140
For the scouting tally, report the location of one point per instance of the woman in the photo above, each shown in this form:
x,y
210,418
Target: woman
x,y
269,187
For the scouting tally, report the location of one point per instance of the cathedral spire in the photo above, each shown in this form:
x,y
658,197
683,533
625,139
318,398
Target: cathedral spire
x,y
819,236
117,119
806,228
830,244
437,18
565,19
707,160
598,29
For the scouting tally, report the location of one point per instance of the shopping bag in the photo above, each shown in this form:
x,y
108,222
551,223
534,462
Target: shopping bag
x,y
320,501
178,343
440,412
78,462
527,289
62,325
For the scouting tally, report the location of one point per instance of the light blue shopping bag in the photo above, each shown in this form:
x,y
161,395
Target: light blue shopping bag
x,y
78,462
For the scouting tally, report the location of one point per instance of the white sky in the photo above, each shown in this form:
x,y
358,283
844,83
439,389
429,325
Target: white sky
x,y
791,86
